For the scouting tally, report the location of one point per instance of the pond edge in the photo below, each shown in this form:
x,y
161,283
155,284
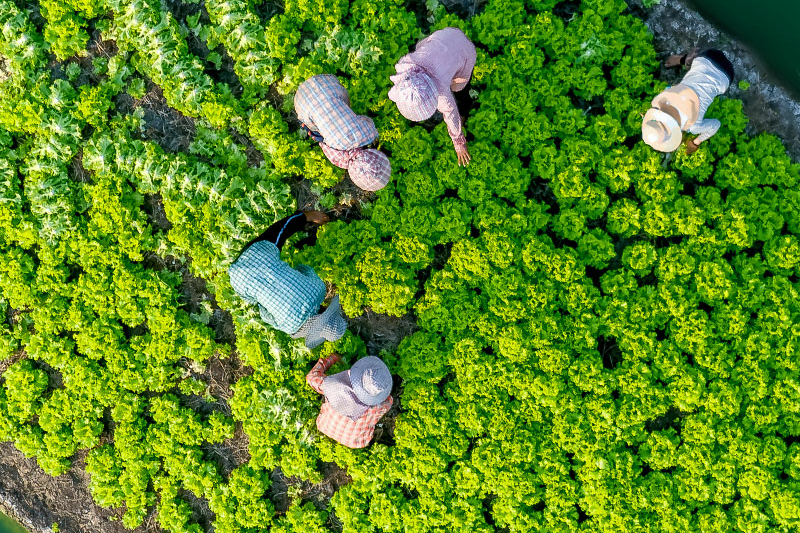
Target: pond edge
x,y
770,108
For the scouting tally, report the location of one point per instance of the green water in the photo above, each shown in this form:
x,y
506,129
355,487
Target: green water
x,y
7,525
769,29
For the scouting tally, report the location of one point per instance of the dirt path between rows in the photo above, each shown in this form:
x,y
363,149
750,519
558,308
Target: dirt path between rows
x,y
38,500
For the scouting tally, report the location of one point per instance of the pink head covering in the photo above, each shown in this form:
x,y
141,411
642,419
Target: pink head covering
x,y
415,94
369,169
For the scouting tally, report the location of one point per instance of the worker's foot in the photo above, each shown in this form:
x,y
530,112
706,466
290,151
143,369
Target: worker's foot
x,y
673,60
316,217
681,59
691,147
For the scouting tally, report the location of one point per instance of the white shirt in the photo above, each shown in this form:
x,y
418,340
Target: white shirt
x,y
708,81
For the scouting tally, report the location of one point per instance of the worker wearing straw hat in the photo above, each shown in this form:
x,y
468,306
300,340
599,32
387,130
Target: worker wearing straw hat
x,y
683,107
322,105
288,298
355,399
440,65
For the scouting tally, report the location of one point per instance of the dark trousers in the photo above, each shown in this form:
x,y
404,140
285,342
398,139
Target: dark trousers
x,y
720,61
281,230
464,101
313,135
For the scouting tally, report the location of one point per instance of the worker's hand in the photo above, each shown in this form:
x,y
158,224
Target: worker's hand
x,y
691,146
673,61
336,358
316,217
459,81
463,156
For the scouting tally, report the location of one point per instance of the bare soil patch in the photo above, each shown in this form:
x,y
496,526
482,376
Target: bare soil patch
x,y
382,332
153,206
284,490
39,500
167,127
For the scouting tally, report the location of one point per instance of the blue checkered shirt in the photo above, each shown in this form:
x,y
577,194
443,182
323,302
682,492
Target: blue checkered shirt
x,y
322,104
286,297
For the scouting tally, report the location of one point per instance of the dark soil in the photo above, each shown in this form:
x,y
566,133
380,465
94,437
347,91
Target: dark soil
x,y
165,126
349,198
278,491
200,510
96,48
180,10
193,289
221,322
39,500
382,332
6,363
254,157
154,207
219,374
76,170
284,489
230,454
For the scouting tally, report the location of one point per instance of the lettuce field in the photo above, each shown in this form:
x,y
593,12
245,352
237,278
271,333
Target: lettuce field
x,y
606,340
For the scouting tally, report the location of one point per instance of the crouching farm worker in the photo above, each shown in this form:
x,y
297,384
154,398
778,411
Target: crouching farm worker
x,y
440,65
288,299
683,107
355,400
322,105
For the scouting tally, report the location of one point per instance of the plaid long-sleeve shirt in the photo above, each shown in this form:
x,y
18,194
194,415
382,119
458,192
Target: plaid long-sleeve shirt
x,y
286,297
445,55
322,104
340,158
351,433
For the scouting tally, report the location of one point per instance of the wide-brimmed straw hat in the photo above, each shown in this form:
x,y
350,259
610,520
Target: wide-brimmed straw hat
x,y
661,131
371,380
329,325
351,393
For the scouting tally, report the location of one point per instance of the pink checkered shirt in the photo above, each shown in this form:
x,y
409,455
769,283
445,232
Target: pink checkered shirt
x,y
323,104
340,158
351,433
444,55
